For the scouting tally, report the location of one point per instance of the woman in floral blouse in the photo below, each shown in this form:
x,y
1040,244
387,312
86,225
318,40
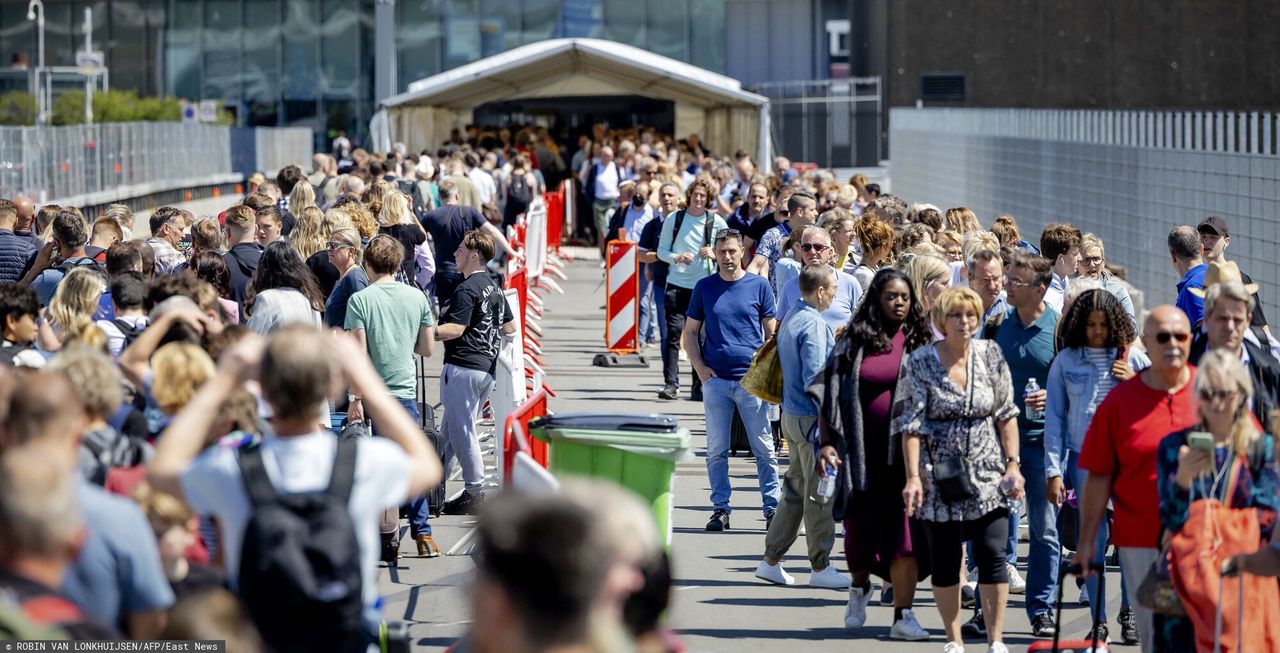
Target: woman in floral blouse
x,y
960,441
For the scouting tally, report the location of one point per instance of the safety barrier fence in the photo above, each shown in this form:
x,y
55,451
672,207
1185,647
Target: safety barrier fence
x,y
88,165
523,390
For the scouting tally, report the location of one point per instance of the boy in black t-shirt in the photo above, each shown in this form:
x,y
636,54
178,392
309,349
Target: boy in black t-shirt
x,y
473,330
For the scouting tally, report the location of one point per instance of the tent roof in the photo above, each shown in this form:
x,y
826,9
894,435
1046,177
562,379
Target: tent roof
x,y
574,67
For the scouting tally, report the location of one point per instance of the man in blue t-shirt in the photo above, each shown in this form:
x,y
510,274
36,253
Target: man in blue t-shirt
x,y
730,316
1026,338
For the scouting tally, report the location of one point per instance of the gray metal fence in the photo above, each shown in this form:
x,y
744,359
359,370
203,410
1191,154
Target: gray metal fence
x,y
84,164
1128,176
835,123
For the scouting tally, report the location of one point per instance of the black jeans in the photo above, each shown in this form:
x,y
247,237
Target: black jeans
x,y
676,302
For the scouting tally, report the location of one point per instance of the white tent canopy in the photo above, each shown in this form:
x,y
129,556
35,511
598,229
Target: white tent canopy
x,y
715,107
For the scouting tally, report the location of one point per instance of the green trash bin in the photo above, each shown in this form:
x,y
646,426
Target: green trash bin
x,y
638,452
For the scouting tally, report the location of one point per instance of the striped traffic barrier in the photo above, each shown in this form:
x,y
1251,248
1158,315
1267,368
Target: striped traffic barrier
x,y
622,306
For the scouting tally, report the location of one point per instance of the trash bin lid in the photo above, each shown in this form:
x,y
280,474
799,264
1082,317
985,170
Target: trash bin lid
x,y
608,422
651,435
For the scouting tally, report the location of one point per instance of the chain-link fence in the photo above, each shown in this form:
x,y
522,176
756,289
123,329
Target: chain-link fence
x,y
834,123
57,163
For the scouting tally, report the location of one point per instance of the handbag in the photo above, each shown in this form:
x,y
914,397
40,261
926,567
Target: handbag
x,y
951,475
1214,532
1156,592
764,377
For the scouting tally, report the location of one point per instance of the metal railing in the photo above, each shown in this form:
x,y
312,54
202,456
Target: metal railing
x,y
81,164
1128,176
1230,132
835,123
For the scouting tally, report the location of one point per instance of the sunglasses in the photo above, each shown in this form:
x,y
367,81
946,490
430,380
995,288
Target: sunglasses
x,y
1209,394
814,247
1164,337
333,245
1092,260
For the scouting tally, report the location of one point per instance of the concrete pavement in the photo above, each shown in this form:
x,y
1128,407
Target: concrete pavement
x,y
718,604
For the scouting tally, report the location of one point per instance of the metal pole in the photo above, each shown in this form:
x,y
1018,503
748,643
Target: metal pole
x,y
88,79
35,11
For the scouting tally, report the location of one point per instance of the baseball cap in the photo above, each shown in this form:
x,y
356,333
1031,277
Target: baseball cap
x,y
1215,225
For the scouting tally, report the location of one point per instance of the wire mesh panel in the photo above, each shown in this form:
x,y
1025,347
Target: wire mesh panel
x,y
833,123
1129,177
55,163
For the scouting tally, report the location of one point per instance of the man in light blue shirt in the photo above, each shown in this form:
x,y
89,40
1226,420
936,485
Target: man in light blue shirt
x,y
804,343
815,249
685,244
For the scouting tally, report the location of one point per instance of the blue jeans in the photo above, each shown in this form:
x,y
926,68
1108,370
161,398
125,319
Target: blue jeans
x,y
417,508
1097,600
719,398
647,330
1045,552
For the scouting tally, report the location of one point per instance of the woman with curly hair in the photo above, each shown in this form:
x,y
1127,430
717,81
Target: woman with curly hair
x,y
858,389
1095,358
282,291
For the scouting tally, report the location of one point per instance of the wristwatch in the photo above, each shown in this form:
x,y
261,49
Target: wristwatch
x,y
1013,459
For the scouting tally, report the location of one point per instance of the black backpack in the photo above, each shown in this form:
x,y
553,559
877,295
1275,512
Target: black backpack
x,y
519,194
706,228
81,261
414,191
130,331
300,560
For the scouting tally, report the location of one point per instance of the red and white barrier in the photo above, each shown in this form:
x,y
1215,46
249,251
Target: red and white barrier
x,y
622,305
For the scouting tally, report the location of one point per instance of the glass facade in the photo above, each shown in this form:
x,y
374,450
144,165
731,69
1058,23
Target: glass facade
x,y
311,62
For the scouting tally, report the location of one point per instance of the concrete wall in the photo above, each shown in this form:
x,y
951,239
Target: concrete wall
x,y
1129,177
1090,53
770,40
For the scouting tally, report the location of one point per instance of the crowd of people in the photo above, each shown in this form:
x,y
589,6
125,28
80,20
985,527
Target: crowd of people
x,y
958,381
941,383
185,378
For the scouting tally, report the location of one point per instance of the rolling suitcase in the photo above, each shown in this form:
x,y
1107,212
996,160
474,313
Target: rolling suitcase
x,y
435,498
389,521
1074,645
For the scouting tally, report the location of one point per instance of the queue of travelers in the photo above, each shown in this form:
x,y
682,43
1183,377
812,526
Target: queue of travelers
x,y
959,384
940,385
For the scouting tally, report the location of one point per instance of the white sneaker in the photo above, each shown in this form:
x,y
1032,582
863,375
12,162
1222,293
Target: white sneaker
x,y
855,613
828,578
1084,596
1017,585
684,358
908,628
997,647
774,574
972,580
953,647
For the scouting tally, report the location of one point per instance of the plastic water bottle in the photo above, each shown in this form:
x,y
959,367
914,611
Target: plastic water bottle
x,y
1032,388
827,486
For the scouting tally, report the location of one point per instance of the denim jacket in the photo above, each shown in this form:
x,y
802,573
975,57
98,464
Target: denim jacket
x,y
1073,398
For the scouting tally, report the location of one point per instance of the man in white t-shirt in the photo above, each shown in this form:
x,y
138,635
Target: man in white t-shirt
x,y
297,365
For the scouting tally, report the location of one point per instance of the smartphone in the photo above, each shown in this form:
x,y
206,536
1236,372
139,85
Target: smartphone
x,y
1200,440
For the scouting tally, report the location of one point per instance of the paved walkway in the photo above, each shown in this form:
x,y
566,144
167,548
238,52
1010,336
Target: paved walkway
x,y
719,605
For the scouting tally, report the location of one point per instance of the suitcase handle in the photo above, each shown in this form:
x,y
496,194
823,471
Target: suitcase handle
x,y
1095,606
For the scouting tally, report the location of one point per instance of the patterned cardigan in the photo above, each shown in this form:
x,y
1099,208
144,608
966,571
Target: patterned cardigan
x,y
840,415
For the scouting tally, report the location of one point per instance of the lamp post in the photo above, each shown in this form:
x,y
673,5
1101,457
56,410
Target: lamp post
x,y
35,11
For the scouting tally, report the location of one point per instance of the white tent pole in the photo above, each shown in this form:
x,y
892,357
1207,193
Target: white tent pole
x,y
765,139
